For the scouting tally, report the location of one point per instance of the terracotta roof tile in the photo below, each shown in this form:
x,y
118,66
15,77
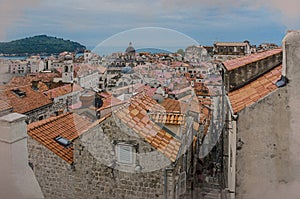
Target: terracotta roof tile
x,y
236,63
141,123
43,77
62,90
68,125
31,99
4,106
255,90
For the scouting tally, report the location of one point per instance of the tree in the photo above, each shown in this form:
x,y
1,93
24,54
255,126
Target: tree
x,y
181,51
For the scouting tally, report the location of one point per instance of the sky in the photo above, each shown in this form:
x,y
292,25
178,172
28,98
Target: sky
x,y
91,22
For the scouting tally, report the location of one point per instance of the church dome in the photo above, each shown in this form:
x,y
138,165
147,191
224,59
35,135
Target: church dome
x,y
130,49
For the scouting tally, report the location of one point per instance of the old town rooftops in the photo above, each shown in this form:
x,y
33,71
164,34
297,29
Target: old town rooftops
x,y
238,62
57,133
24,99
255,90
135,116
4,106
62,90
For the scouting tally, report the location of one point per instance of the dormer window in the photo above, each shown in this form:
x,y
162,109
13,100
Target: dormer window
x,y
19,93
63,141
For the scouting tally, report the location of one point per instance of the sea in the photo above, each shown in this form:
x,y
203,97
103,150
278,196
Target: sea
x,y
107,51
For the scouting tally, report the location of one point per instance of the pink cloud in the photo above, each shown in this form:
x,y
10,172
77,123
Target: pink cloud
x,y
10,11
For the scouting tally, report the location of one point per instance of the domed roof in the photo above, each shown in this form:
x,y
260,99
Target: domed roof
x,y
130,49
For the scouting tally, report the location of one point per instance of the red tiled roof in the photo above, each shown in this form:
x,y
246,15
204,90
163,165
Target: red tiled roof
x,y
110,102
171,105
27,80
134,115
84,69
44,77
67,125
31,101
255,90
236,63
62,90
4,106
201,89
205,101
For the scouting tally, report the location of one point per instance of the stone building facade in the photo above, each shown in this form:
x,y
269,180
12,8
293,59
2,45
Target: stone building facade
x,y
96,169
262,131
229,50
243,70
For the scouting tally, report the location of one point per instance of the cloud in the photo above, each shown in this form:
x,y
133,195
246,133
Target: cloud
x,y
10,11
288,10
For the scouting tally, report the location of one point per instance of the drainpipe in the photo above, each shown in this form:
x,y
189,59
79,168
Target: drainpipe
x,y
284,57
232,148
233,115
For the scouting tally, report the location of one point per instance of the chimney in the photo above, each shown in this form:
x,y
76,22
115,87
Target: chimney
x,y
17,179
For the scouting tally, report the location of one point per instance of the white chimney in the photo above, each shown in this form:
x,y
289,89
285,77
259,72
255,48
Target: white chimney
x,y
17,178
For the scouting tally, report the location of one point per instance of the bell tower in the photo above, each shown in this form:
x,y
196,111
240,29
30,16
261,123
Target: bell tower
x,y
68,69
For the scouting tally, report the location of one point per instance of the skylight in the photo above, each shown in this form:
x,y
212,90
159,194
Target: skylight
x,y
63,141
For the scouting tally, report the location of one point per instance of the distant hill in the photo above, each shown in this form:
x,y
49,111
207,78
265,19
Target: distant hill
x,y
41,44
153,50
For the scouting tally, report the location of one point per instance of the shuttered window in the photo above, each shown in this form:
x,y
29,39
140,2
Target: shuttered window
x,y
125,154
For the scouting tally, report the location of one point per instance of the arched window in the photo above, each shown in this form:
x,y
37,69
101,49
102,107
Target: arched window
x,y
66,69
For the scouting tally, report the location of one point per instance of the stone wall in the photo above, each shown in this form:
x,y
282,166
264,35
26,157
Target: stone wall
x,y
268,137
263,160
92,175
238,77
40,113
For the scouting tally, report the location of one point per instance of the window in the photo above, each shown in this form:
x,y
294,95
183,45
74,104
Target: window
x,y
125,153
66,69
19,93
63,141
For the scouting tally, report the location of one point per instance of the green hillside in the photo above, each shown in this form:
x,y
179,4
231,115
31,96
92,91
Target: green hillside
x,y
41,44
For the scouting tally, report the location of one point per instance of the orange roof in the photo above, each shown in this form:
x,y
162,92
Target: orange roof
x,y
67,125
171,105
205,101
201,90
242,61
255,90
110,102
62,90
25,80
30,101
4,106
134,115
